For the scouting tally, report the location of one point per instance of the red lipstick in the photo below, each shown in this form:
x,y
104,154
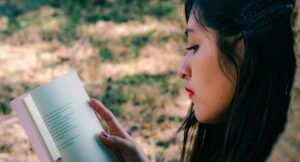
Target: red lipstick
x,y
191,93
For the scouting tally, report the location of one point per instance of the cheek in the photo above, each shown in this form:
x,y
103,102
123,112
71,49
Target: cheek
x,y
213,89
212,108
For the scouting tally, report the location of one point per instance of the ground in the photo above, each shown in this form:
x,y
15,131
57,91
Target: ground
x,y
126,53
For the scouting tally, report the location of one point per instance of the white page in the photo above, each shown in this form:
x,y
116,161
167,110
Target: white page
x,y
31,131
40,125
72,123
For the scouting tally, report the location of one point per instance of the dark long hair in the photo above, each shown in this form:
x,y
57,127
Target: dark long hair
x,y
265,74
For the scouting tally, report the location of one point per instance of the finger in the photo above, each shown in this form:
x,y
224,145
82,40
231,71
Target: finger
x,y
109,118
116,142
102,136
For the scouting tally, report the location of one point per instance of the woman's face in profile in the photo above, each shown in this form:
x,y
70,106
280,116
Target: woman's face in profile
x,y
209,88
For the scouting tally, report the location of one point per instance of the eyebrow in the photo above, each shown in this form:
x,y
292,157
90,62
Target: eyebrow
x,y
187,31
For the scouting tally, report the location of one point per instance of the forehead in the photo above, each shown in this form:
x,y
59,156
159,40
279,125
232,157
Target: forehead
x,y
193,25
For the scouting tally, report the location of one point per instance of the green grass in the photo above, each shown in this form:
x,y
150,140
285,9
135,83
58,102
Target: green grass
x,y
137,42
13,26
125,10
69,30
106,54
127,89
114,97
174,88
4,108
141,91
89,11
6,91
140,79
28,85
159,81
162,9
176,119
160,119
6,95
134,42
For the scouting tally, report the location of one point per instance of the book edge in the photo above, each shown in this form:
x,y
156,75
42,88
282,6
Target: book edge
x,y
28,126
54,154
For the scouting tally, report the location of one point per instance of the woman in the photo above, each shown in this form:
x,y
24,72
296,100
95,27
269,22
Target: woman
x,y
238,71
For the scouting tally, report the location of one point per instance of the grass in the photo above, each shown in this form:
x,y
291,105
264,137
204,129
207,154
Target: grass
x,y
28,85
106,54
143,92
137,42
5,98
128,89
130,46
89,11
6,95
176,119
125,10
4,108
160,81
162,9
69,30
114,97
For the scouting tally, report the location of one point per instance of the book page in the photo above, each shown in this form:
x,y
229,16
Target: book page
x,y
40,125
33,135
72,123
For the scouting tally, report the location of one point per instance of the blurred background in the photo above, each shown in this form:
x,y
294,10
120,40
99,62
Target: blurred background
x,y
126,53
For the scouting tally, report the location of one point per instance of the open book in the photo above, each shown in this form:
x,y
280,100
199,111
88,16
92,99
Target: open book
x,y
60,123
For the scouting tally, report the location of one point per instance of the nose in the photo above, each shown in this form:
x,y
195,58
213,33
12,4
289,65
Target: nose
x,y
184,70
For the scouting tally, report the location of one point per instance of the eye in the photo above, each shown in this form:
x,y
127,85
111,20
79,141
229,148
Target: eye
x,y
194,47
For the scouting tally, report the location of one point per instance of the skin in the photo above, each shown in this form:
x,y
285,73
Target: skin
x,y
117,139
202,74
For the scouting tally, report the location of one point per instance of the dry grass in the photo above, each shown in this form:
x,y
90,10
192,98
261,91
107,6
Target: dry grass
x,y
137,58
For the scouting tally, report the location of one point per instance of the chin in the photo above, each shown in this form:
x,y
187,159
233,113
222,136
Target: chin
x,y
204,118
208,120
207,117
201,116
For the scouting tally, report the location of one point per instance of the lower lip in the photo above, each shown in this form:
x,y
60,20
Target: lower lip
x,y
191,94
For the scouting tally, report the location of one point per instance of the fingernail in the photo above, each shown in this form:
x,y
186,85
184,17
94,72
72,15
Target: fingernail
x,y
106,135
59,159
91,101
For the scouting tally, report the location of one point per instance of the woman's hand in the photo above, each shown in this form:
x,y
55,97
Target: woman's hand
x,y
118,140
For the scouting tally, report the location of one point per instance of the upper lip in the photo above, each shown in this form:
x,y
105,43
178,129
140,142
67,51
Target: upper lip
x,y
189,90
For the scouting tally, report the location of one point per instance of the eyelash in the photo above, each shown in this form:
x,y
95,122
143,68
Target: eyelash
x,y
194,47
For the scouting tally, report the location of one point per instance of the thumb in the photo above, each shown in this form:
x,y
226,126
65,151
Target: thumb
x,y
115,142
